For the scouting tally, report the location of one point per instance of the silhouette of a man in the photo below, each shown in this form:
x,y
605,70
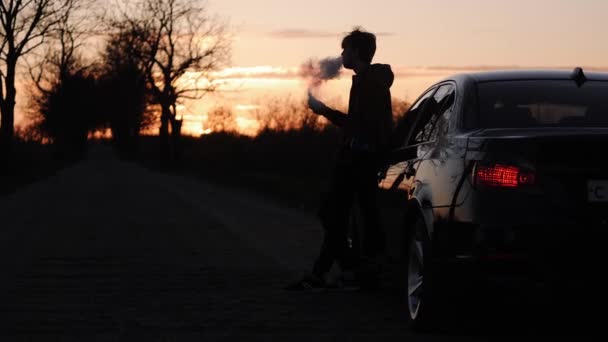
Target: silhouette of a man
x,y
366,130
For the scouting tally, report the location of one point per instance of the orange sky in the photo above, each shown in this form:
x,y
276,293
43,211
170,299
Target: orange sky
x,y
424,40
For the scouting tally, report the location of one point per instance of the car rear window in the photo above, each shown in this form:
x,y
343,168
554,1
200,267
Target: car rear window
x,y
541,103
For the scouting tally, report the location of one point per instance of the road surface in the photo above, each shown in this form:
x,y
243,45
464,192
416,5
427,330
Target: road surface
x,y
109,251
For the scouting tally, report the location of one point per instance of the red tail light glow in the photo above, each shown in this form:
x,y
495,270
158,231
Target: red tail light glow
x,y
500,175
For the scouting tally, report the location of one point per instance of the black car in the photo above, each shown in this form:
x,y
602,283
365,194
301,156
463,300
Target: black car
x,y
502,174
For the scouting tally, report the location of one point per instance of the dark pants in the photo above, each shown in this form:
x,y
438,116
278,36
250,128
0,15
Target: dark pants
x,y
353,179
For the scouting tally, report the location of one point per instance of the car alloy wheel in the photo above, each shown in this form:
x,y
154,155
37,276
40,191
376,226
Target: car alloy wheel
x,y
415,276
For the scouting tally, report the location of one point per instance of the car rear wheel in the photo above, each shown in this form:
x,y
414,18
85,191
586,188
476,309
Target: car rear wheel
x,y
421,289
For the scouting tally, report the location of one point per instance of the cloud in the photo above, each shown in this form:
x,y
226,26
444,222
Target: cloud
x,y
296,33
301,33
257,72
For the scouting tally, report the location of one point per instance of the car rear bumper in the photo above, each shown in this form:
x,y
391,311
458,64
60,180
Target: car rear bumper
x,y
528,255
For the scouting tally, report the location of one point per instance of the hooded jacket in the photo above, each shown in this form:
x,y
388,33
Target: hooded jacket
x,y
369,120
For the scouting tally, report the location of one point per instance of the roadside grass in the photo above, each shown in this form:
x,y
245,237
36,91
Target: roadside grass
x,y
290,166
31,161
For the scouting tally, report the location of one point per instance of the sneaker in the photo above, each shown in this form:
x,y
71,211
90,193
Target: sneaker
x,y
308,283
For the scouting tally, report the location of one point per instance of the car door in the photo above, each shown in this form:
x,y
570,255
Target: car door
x,y
432,182
400,159
398,180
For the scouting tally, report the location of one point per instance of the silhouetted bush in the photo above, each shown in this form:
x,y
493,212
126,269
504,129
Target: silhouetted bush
x,y
220,120
124,101
69,110
287,114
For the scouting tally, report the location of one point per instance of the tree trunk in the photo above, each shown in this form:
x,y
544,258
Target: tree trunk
x,y
164,131
7,121
6,129
176,132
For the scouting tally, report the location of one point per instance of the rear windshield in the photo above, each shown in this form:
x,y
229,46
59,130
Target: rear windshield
x,y
542,103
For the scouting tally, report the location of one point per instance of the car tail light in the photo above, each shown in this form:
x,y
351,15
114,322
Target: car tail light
x,y
500,175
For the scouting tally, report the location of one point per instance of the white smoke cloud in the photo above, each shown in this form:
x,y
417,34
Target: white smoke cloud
x,y
319,71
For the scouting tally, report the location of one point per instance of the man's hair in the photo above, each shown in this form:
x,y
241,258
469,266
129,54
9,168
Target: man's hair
x,y
363,41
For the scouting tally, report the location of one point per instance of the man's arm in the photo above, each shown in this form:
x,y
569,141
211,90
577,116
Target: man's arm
x,y
334,116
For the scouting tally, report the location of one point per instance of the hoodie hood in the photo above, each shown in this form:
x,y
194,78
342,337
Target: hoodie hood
x,y
382,74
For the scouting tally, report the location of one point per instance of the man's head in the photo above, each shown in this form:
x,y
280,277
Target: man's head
x,y
358,49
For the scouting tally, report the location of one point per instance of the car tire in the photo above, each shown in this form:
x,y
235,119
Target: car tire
x,y
423,291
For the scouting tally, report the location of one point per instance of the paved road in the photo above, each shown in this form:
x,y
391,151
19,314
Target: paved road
x,y
109,251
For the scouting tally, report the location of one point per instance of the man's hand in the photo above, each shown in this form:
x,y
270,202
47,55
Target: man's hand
x,y
337,118
316,106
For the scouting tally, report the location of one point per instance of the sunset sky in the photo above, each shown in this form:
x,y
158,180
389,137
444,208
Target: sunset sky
x,y
423,40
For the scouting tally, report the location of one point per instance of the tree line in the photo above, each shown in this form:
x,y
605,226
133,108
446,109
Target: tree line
x,y
120,67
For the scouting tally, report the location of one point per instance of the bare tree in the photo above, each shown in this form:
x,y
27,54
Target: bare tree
x,y
62,52
60,56
127,61
24,26
65,91
187,45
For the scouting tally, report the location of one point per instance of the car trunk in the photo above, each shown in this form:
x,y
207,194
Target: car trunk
x,y
568,164
556,221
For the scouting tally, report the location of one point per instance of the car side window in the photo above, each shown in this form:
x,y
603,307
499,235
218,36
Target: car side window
x,y
404,126
435,122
